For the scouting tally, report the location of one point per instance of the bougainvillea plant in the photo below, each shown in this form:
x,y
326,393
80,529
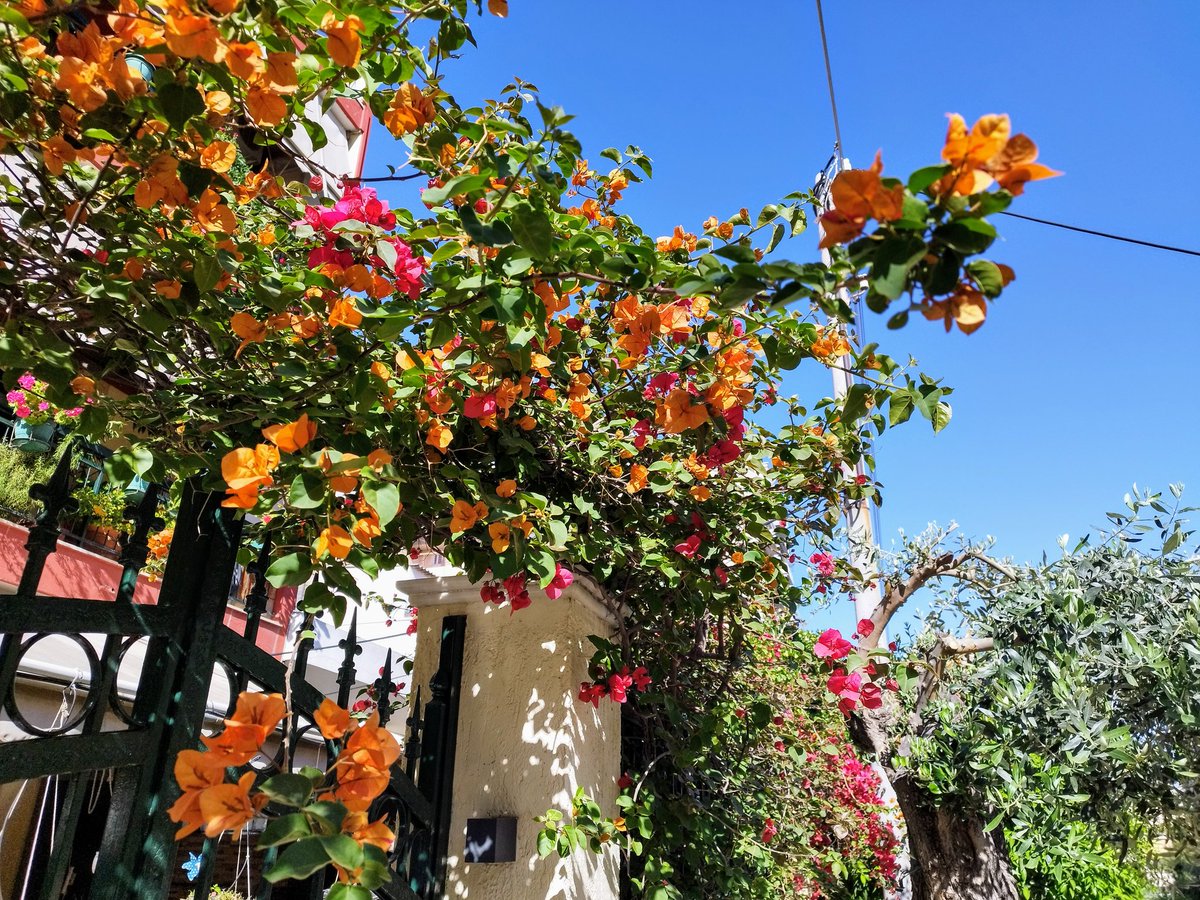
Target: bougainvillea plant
x,y
512,372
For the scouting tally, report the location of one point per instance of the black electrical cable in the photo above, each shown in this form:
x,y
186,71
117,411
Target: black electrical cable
x,y
1103,234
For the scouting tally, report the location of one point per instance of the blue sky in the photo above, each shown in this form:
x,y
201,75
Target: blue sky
x,y
1082,380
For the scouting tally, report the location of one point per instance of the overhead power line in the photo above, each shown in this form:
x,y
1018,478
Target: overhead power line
x,y
837,128
1103,234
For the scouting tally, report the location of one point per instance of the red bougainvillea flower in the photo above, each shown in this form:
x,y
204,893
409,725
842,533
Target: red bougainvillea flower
x,y
641,678
848,687
624,783
865,627
831,645
769,831
687,549
871,696
619,684
561,581
592,693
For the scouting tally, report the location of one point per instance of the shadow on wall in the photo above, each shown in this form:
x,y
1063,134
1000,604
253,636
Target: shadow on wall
x,y
525,745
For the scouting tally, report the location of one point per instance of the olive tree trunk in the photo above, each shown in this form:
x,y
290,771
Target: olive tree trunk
x,y
952,857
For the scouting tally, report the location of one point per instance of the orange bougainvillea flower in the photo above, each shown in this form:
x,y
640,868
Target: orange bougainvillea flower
x,y
966,306
677,413
332,720
245,60
637,478
218,156
362,768
229,807
679,240
498,8
409,110
56,153
169,288
506,488
464,515
499,533
344,312
375,833
366,529
195,772
262,712
246,471
988,154
379,458
293,436
189,35
858,195
342,39
83,385
213,215
334,541
280,74
439,436
224,7
248,328
265,107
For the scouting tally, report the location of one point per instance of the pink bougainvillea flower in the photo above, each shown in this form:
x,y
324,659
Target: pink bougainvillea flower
x,y
824,563
561,581
687,549
661,384
831,645
479,406
865,627
641,433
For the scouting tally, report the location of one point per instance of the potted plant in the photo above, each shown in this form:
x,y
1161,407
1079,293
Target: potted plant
x,y
37,418
104,512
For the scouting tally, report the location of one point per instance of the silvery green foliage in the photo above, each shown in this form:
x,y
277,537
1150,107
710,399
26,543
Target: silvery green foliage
x,y
1089,709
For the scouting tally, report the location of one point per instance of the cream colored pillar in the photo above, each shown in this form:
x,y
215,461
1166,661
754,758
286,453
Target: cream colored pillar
x,y
524,742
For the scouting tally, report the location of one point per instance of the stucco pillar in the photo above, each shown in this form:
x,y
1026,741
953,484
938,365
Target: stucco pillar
x,y
524,742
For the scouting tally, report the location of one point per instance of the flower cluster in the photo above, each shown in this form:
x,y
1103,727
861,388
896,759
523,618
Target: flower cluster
x,y
333,802
852,686
616,686
29,403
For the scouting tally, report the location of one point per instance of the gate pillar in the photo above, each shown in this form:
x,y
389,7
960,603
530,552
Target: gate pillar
x,y
525,743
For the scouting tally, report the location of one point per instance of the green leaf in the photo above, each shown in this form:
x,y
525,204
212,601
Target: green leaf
x,y
463,184
307,491
776,236
923,178
290,571
179,103
348,892
284,830
343,850
288,788
941,416
532,229
206,272
446,251
300,860
900,407
384,498
892,262
495,234
987,277
967,235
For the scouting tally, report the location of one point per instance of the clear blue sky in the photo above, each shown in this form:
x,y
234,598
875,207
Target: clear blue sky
x,y
1082,380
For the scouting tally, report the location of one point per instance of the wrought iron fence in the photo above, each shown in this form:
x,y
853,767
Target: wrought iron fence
x,y
106,767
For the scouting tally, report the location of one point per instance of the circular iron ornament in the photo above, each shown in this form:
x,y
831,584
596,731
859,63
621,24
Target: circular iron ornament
x,y
234,677
72,721
125,712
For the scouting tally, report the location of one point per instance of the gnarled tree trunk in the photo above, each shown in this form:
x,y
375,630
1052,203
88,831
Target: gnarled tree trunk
x,y
953,858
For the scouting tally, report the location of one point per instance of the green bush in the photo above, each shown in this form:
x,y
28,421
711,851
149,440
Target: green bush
x,y
19,471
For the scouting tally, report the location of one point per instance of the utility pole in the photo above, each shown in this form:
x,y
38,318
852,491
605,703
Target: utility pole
x,y
860,514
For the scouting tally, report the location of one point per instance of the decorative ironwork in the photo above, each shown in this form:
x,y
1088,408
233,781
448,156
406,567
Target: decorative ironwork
x,y
109,789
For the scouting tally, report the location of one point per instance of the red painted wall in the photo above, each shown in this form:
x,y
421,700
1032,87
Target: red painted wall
x,y
74,572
